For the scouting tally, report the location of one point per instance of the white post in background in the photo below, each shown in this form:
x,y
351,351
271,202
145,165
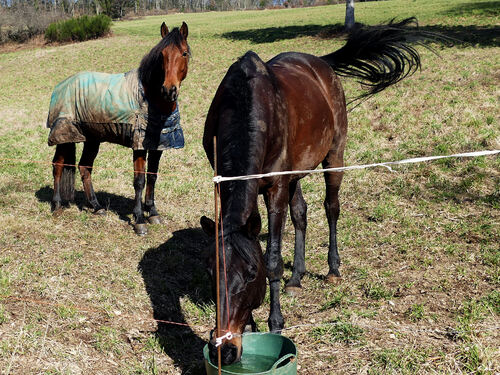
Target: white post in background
x,y
349,15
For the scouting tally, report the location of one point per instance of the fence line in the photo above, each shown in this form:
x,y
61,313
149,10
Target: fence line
x,y
448,331
219,179
387,164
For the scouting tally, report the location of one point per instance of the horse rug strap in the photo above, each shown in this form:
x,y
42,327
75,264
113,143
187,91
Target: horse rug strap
x,y
110,108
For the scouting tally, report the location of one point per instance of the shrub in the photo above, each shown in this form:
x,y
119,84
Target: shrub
x,y
78,29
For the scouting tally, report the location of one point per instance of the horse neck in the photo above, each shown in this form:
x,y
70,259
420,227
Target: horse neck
x,y
160,105
238,201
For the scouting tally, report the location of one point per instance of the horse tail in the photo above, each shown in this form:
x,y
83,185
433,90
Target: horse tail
x,y
67,185
380,56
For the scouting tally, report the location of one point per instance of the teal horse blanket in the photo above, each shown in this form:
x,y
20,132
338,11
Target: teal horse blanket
x,y
110,108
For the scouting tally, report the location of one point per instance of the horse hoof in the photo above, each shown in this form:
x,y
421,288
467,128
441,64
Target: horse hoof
x,y
333,279
293,291
57,212
100,212
140,229
154,219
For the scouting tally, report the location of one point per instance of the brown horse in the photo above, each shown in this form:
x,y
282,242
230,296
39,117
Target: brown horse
x,y
286,114
137,109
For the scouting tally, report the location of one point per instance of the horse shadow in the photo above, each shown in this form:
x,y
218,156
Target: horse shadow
x,y
171,272
456,35
118,204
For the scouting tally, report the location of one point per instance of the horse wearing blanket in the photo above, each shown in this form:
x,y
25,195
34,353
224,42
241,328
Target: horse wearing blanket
x,y
137,109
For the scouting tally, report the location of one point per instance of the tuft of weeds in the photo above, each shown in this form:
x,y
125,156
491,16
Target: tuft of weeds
x,y
376,291
4,284
3,315
473,361
339,331
416,312
340,298
401,361
107,340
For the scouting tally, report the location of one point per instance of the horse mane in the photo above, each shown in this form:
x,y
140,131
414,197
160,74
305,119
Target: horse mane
x,y
242,246
238,129
151,72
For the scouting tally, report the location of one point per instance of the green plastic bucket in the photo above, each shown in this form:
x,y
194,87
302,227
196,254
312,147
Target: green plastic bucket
x,y
263,353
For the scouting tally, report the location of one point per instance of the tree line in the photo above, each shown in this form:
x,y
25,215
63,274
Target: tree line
x,y
119,8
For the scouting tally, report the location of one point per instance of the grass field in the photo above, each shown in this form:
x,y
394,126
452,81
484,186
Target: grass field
x,y
420,246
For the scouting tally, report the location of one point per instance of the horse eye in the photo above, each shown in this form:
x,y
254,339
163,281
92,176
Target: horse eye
x,y
185,54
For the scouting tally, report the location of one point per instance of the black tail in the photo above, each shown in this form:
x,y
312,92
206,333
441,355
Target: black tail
x,y
67,184
380,56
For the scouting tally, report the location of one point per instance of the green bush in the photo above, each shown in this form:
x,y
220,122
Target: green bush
x,y
78,29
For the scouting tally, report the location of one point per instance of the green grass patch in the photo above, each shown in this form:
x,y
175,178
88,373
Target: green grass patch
x,y
401,361
338,331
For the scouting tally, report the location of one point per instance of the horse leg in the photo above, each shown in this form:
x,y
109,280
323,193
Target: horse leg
x,y
298,212
64,175
276,199
89,153
332,207
149,201
139,156
250,326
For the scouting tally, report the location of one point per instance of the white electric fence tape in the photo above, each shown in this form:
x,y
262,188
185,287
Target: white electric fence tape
x,y
227,336
219,179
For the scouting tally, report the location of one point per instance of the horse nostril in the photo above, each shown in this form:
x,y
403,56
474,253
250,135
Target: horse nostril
x,y
228,353
173,93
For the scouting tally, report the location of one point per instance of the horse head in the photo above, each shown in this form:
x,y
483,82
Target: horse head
x,y
164,68
245,288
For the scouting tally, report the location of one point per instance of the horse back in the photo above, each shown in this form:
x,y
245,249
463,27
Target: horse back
x,y
315,108
245,116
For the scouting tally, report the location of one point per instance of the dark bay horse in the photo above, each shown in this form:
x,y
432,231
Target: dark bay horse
x,y
286,114
137,109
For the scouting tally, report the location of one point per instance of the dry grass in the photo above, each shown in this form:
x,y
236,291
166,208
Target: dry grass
x,y
79,293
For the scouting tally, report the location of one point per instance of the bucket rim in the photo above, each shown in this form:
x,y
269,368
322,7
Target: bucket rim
x,y
267,372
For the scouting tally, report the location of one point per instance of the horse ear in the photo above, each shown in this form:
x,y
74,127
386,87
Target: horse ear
x,y
208,226
163,30
184,30
254,225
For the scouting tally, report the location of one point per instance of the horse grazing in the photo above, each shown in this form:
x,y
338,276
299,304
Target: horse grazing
x,y
137,109
286,114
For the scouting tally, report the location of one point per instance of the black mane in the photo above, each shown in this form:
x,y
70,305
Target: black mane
x,y
243,247
240,138
151,68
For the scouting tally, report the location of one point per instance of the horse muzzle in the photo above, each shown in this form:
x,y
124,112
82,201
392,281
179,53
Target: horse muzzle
x,y
229,353
170,94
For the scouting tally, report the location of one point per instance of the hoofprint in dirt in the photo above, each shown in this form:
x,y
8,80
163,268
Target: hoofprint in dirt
x,y
419,247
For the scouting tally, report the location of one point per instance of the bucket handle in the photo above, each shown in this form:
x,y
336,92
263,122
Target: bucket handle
x,y
282,359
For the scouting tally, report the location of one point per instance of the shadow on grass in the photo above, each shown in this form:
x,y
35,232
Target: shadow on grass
x,y
463,36
483,9
118,204
171,271
273,34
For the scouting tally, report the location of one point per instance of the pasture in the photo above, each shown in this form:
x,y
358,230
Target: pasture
x,y
82,294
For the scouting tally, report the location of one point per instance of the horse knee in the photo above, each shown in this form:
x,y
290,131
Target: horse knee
x,y
139,182
274,267
332,208
299,216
